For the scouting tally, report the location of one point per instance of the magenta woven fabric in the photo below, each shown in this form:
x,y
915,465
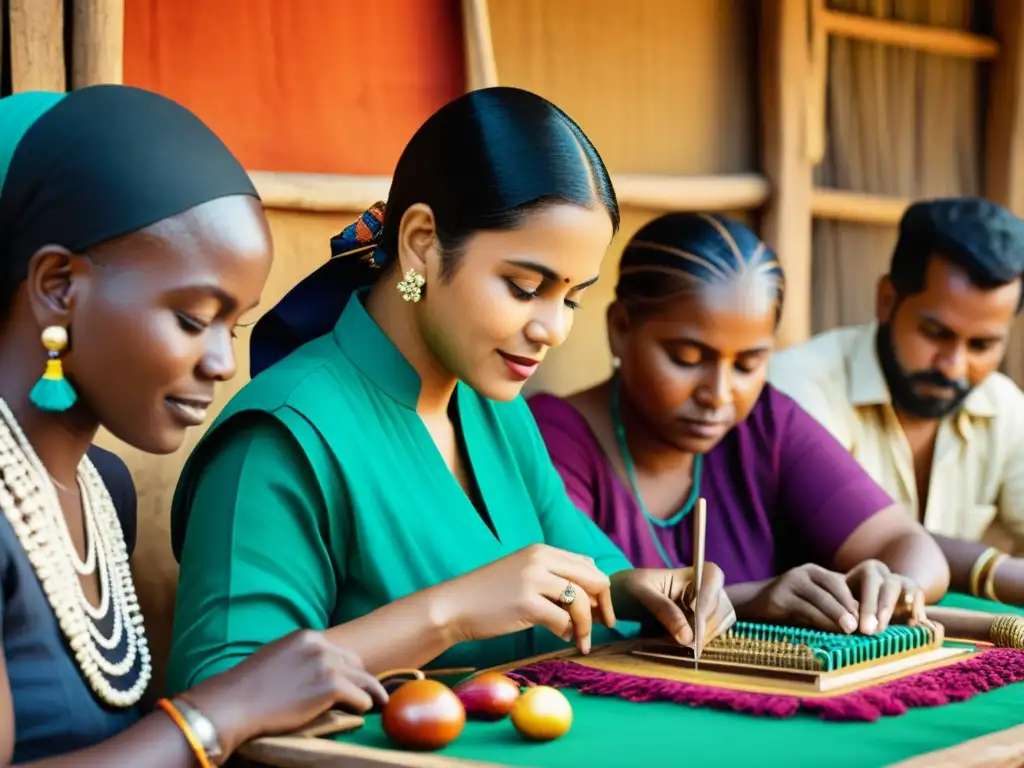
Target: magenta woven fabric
x,y
955,682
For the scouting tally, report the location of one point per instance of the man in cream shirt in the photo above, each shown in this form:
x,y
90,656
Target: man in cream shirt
x,y
916,396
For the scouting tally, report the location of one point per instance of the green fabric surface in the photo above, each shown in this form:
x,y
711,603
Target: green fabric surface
x,y
614,732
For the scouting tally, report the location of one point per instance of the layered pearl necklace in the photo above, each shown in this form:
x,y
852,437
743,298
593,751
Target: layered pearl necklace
x,y
31,505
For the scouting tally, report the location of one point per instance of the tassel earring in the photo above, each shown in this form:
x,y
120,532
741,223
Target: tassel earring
x,y
411,286
53,392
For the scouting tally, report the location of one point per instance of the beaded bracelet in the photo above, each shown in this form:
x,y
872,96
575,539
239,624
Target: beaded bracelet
x,y
186,730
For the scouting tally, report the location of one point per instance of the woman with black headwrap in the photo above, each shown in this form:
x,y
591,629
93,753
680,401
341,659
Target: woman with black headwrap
x,y
131,242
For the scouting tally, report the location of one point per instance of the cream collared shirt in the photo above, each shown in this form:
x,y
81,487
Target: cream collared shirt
x,y
977,475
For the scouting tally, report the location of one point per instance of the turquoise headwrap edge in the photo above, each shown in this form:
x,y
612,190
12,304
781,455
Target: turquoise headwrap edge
x,y
18,113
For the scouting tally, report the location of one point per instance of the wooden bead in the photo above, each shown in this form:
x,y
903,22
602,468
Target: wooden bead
x,y
55,338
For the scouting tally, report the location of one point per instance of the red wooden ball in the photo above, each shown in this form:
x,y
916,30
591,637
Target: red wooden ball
x,y
489,696
423,714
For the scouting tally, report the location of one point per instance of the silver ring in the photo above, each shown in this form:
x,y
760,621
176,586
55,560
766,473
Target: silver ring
x,y
568,594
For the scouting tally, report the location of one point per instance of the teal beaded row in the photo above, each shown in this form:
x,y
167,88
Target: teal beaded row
x,y
833,650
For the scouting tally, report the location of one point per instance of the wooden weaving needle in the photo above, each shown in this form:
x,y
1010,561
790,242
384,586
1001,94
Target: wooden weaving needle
x,y
699,520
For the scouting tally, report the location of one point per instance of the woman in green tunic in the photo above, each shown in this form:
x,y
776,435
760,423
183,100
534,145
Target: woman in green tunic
x,y
381,478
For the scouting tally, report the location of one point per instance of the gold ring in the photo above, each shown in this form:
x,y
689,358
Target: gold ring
x,y
905,609
568,594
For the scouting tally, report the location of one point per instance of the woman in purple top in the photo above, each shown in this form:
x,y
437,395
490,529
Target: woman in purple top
x,y
799,528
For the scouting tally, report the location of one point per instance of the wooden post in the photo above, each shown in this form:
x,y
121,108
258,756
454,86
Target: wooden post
x,y
1004,142
37,45
786,226
481,69
98,42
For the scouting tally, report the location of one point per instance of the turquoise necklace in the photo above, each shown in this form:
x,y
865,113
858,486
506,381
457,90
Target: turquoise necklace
x,y
627,460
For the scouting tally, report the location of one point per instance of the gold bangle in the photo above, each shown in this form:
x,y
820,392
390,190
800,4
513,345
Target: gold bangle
x,y
978,567
990,577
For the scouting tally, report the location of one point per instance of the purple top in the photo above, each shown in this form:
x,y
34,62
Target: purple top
x,y
780,491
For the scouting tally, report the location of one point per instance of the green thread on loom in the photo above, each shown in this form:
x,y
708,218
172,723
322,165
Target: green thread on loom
x,y
813,649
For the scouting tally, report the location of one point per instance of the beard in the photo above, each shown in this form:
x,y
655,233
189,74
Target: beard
x,y
902,383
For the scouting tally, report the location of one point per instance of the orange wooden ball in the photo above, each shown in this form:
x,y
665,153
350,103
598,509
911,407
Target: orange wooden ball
x,y
423,714
542,714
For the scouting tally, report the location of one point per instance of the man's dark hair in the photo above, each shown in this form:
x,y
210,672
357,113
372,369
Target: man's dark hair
x,y
981,238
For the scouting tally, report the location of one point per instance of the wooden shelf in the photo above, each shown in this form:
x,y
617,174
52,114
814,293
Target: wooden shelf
x,y
328,192
652,192
319,191
921,37
857,207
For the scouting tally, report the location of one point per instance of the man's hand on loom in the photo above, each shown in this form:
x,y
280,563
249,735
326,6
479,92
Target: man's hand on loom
x,y
667,596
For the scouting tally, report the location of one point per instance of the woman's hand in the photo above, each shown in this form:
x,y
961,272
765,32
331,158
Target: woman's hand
x,y
864,599
283,686
536,586
883,595
668,596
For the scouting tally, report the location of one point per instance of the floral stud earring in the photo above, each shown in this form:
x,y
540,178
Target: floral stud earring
x,y
411,286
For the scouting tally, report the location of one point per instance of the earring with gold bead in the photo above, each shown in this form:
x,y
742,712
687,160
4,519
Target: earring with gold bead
x,y
53,392
411,286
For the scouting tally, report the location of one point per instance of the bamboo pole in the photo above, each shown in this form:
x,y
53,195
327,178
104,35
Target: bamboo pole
x,y
37,45
97,43
921,37
481,67
329,192
786,224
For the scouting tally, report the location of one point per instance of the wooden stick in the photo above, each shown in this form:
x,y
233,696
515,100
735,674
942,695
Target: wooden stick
x,y
699,529
921,37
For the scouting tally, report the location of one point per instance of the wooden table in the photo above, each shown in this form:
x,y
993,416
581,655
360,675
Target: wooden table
x,y
983,732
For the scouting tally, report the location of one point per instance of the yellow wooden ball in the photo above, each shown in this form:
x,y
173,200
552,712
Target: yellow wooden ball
x,y
542,714
55,338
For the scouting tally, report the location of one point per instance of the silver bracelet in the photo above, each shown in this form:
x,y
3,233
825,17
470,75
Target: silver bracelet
x,y
203,729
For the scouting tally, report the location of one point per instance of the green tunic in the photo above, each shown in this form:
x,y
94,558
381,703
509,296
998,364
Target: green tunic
x,y
318,496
